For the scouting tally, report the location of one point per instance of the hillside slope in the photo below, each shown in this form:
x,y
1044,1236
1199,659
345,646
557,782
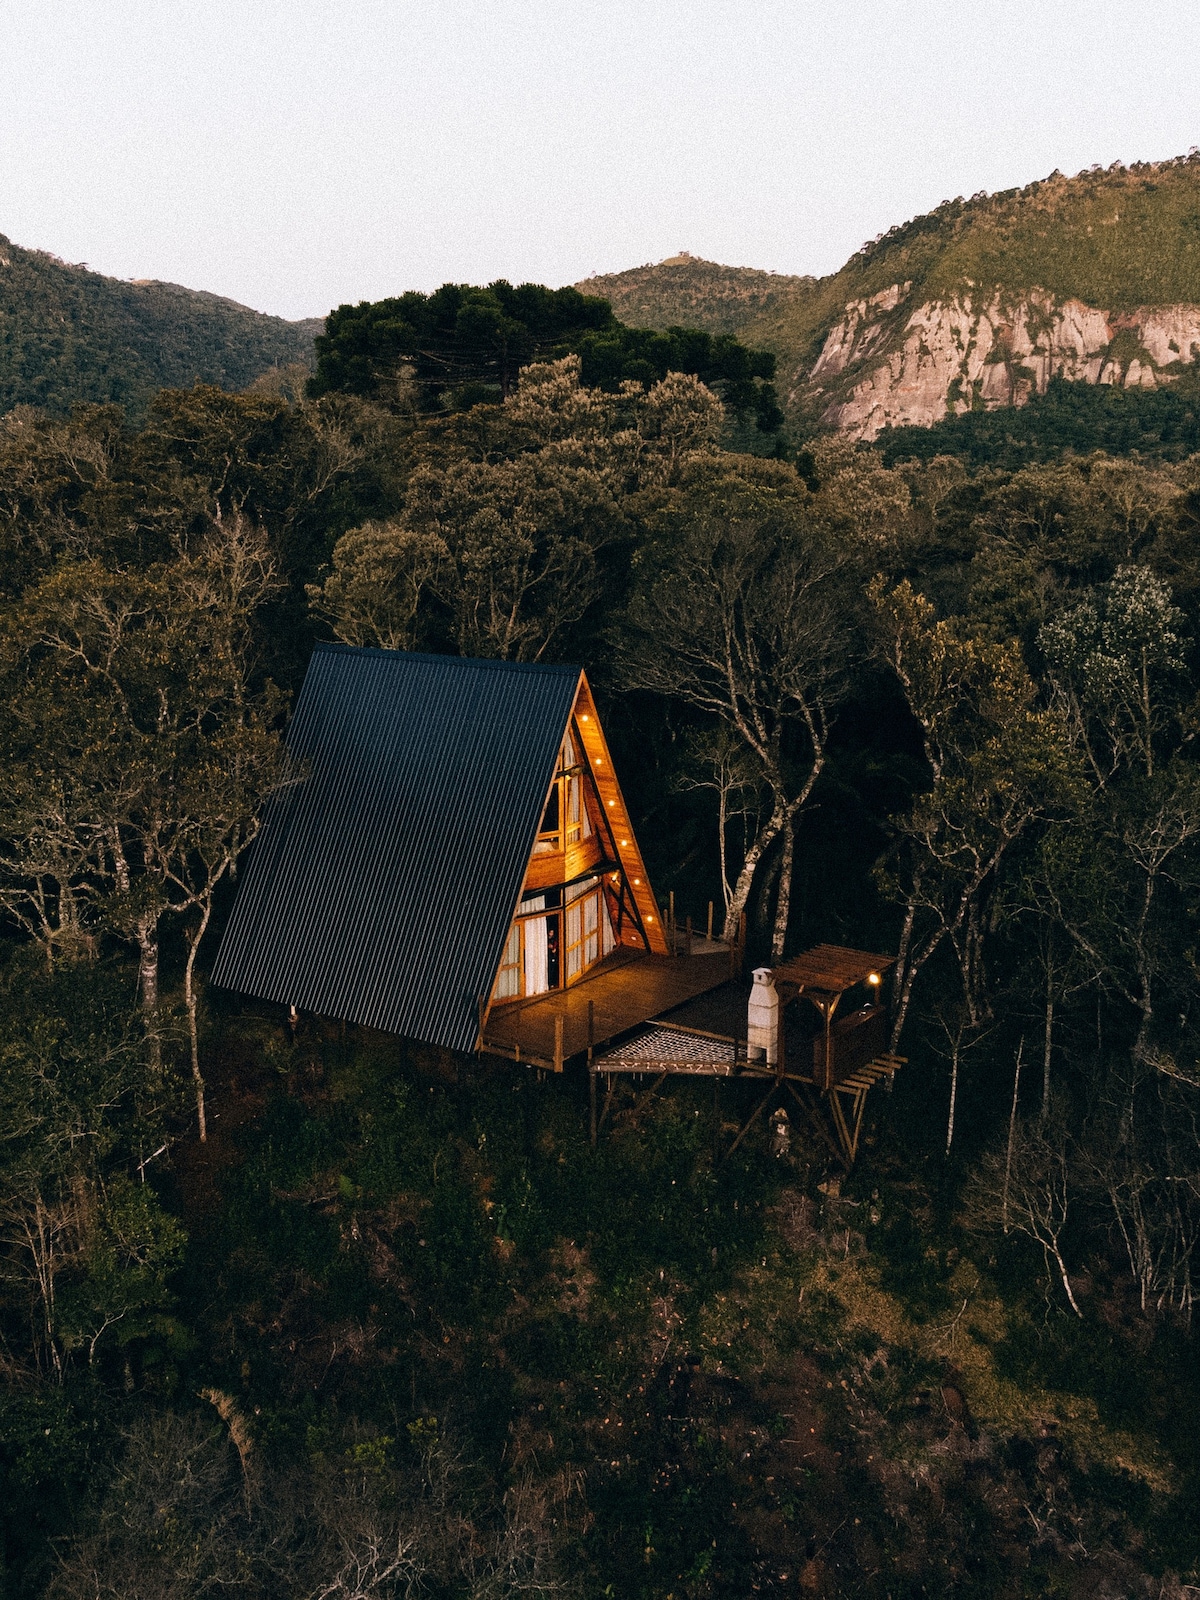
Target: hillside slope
x,y
691,292
69,335
978,304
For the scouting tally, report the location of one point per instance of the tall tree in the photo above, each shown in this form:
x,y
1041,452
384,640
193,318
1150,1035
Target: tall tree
x,y
741,612
138,746
996,761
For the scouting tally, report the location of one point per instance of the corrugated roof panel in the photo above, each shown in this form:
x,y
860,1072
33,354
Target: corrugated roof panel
x,y
382,884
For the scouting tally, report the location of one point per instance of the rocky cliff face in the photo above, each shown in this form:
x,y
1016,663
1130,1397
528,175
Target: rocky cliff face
x,y
887,363
976,304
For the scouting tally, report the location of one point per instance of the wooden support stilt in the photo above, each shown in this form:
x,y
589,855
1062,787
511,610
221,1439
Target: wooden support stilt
x,y
608,1097
644,1100
710,919
558,1043
671,920
749,1122
816,1121
687,938
591,1065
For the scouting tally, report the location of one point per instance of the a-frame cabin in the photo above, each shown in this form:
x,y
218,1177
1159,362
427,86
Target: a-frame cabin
x,y
452,850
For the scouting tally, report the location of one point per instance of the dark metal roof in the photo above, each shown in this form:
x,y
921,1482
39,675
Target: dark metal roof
x,y
383,883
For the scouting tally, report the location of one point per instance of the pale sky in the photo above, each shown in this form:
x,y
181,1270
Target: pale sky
x,y
295,154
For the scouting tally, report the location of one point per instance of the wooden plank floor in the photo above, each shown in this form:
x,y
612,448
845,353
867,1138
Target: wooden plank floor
x,y
627,988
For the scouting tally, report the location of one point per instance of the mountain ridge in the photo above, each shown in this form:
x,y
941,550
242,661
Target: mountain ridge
x,y
975,305
70,335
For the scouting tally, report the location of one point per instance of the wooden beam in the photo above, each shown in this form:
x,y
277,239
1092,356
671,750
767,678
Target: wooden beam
x,y
616,818
749,1123
591,1064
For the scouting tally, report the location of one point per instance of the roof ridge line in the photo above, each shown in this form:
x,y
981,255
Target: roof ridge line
x,y
335,646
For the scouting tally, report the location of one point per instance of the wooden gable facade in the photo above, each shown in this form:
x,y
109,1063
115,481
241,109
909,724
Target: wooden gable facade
x,y
586,891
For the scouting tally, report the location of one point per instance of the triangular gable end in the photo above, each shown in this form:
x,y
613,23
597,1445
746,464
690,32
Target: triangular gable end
x,y
586,890
616,813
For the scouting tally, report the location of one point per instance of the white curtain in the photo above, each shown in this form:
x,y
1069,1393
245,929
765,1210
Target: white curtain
x,y
537,977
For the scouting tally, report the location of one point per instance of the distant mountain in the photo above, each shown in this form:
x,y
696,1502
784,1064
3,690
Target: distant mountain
x,y
70,335
973,307
693,293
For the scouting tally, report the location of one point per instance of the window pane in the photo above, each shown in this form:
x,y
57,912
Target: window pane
x,y
550,819
508,982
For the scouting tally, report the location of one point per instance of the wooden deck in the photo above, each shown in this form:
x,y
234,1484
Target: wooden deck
x,y
627,988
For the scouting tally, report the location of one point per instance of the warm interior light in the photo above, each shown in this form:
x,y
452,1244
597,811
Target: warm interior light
x,y
638,881
624,841
649,919
612,802
585,716
872,977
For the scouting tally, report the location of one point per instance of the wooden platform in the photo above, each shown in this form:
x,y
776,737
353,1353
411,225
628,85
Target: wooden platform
x,y
626,989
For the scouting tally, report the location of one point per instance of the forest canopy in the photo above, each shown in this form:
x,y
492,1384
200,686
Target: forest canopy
x,y
463,345
293,1308
1068,418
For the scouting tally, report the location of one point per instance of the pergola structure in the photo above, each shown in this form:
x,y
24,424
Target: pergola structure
x,y
848,1055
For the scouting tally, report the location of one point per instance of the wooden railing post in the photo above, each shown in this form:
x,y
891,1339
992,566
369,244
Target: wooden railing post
x,y
710,919
687,941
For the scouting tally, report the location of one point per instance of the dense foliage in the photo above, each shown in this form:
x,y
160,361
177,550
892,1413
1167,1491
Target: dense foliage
x,y
70,336
300,1310
463,346
1068,419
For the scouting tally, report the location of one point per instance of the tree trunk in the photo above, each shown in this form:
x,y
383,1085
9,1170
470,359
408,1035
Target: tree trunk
x,y
783,902
189,994
745,879
954,1053
1066,1282
1012,1129
147,939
